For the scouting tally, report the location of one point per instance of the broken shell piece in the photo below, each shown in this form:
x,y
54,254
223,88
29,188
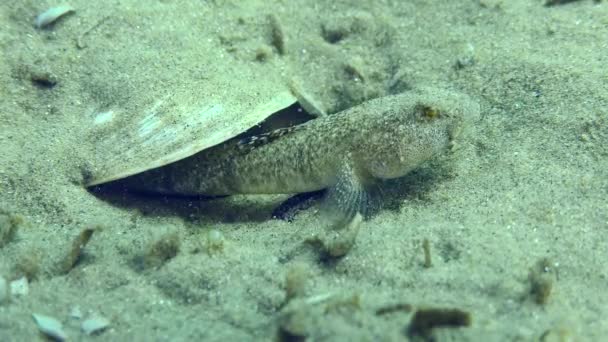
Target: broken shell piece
x,y
50,327
307,101
75,252
340,243
94,324
51,15
337,242
76,313
20,287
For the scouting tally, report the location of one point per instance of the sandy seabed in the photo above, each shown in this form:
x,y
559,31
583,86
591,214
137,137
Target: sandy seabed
x,y
516,218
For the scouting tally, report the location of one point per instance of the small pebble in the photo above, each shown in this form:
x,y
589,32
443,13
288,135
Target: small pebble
x,y
94,324
20,287
50,327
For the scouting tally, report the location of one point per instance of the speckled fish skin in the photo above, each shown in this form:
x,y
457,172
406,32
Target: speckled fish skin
x,y
380,139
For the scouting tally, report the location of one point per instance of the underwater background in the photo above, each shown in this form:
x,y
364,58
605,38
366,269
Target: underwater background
x,y
504,239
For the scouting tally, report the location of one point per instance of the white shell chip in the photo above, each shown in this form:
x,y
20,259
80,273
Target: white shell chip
x,y
50,327
94,324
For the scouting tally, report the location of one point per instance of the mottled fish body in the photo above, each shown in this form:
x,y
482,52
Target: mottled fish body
x,y
381,139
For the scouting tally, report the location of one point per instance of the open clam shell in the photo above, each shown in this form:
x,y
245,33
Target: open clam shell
x,y
181,123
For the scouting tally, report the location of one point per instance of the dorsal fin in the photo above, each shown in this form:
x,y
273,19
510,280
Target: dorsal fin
x,y
249,143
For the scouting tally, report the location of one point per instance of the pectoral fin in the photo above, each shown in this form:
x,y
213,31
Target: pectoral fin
x,y
347,198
